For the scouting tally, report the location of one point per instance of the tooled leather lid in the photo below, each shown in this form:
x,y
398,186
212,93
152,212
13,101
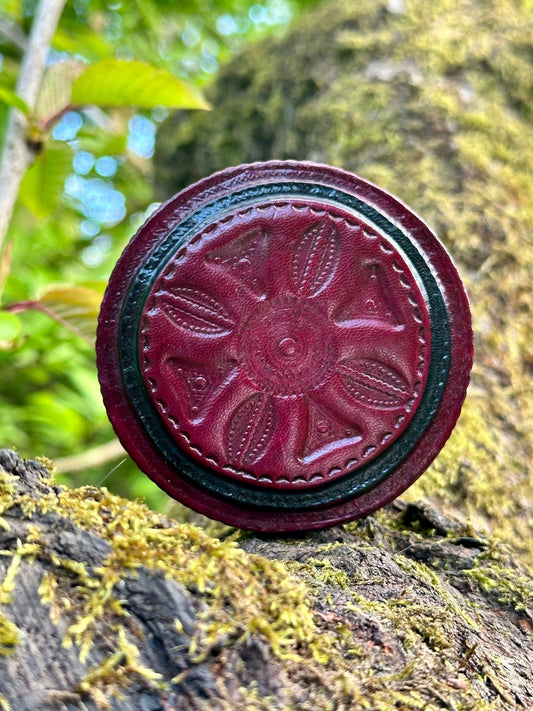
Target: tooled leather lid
x,y
284,346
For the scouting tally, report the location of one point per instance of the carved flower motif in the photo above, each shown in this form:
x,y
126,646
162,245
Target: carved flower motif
x,y
290,366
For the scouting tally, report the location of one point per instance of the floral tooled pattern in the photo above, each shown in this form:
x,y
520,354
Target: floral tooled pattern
x,y
285,345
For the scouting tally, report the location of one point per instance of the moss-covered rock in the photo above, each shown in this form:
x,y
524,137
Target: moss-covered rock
x,y
433,101
105,604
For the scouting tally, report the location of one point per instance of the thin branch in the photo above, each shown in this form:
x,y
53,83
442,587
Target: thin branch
x,y
17,155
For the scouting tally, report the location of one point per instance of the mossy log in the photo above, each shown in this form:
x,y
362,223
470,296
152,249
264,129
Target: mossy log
x,y
432,101
105,604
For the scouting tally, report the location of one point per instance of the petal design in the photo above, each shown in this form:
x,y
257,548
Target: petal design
x,y
374,383
315,258
251,429
195,310
326,432
375,304
243,256
201,383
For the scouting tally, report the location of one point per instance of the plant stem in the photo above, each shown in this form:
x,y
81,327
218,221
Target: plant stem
x,y
17,154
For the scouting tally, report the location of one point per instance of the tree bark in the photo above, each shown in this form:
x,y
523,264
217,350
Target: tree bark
x,y
108,605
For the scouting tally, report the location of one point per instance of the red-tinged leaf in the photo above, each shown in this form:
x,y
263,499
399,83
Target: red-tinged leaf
x,y
74,307
56,89
5,264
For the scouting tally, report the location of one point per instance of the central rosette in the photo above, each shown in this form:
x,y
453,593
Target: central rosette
x,y
288,347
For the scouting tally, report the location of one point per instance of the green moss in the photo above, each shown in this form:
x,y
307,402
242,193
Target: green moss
x,y
413,622
9,633
244,594
323,571
9,636
429,578
118,670
509,587
252,700
7,492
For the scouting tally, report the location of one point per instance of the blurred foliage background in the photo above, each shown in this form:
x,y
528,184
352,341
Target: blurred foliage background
x,y
84,197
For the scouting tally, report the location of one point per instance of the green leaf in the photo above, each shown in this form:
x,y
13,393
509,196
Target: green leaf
x,y
92,44
115,82
42,186
9,98
10,326
103,143
97,285
12,9
75,307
